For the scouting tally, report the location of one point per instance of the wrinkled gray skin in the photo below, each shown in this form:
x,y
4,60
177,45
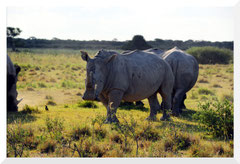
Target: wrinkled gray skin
x,y
152,51
155,51
12,72
134,76
185,69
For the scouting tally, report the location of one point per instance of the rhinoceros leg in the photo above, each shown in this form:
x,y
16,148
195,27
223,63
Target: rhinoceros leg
x,y
182,106
178,99
104,100
115,97
154,105
166,94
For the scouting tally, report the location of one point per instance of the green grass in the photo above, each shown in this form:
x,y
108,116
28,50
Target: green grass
x,y
53,75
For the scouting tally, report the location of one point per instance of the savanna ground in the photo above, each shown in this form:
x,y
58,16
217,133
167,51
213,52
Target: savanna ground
x,y
74,128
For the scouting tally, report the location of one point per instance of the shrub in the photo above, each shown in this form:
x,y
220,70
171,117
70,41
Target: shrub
x,y
30,89
86,149
100,133
130,105
194,95
42,85
49,97
148,133
218,149
87,104
199,151
19,139
205,91
28,109
37,68
116,138
228,97
55,127
217,118
176,140
51,102
211,55
77,133
97,151
217,86
203,81
48,147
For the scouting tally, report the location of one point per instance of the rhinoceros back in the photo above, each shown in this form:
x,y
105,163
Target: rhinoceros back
x,y
184,67
140,73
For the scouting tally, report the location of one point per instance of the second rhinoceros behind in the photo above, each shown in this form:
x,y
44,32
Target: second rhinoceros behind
x,y
134,76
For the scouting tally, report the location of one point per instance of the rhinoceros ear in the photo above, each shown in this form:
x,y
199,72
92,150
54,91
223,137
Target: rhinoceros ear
x,y
110,58
84,56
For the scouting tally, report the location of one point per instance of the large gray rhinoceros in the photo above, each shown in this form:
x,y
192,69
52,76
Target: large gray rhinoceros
x,y
131,77
12,72
185,69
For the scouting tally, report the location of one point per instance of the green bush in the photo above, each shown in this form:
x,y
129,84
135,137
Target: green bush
x,y
55,127
211,55
176,140
100,133
77,133
131,105
150,134
87,104
28,109
20,139
217,118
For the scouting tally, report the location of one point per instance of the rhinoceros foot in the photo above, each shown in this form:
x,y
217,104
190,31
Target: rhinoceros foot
x,y
112,119
176,113
165,118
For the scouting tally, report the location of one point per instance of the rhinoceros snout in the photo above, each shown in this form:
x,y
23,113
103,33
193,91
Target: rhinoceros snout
x,y
88,96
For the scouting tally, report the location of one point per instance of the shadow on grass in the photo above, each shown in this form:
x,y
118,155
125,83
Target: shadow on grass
x,y
22,117
181,126
130,106
187,114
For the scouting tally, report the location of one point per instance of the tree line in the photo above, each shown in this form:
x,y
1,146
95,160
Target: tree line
x,y
137,42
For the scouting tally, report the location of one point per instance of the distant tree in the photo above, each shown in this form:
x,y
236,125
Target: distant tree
x,y
115,40
54,38
11,34
32,38
138,42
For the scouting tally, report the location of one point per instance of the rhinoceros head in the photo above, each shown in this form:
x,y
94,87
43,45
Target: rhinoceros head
x,y
96,74
12,93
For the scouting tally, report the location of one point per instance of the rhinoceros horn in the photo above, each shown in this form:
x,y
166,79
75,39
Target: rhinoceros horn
x,y
18,101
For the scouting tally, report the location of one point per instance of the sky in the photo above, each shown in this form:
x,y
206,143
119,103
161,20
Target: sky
x,y
122,22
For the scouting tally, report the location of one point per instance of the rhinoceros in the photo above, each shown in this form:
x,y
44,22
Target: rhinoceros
x,y
134,76
185,69
150,50
12,73
155,51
